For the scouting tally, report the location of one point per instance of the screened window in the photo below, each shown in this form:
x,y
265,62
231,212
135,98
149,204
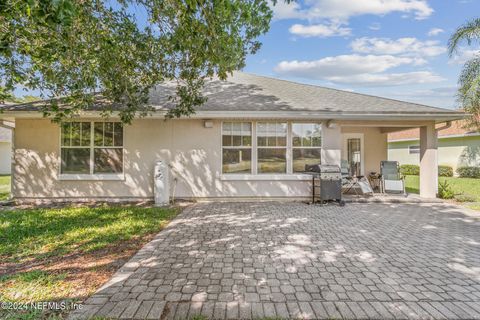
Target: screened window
x,y
272,147
414,149
237,147
91,148
306,145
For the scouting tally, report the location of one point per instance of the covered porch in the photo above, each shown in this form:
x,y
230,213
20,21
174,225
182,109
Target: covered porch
x,y
364,145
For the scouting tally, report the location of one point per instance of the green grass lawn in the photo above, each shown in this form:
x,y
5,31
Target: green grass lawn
x,y
56,254
461,186
4,187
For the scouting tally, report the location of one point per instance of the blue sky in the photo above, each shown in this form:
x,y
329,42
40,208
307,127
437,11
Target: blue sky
x,y
391,48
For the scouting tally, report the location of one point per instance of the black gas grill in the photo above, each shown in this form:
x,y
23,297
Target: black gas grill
x,y
326,183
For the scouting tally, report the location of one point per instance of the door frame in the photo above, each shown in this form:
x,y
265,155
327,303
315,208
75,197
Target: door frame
x,y
345,137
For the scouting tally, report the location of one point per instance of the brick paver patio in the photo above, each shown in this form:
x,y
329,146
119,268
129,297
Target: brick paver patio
x,y
292,260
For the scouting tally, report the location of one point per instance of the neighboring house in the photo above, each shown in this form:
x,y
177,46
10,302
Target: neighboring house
x,y
457,146
251,139
5,151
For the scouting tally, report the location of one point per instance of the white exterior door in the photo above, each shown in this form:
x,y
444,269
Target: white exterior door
x,y
353,152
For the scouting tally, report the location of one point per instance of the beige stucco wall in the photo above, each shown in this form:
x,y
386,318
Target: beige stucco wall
x,y
454,152
375,146
193,152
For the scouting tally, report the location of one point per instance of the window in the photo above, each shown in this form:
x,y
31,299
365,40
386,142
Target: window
x,y
414,149
272,147
91,148
306,145
237,147
108,147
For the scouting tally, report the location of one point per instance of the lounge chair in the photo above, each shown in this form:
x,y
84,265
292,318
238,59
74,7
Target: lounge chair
x,y
350,182
392,180
347,180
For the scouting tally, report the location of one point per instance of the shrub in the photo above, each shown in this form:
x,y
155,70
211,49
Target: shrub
x,y
465,198
414,170
469,172
410,170
445,191
445,171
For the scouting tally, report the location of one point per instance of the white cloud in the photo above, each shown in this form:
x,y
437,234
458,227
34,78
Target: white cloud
x,y
283,10
463,55
344,65
356,69
320,30
437,96
344,9
402,46
435,32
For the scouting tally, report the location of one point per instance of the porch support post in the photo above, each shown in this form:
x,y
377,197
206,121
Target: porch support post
x,y
331,144
428,161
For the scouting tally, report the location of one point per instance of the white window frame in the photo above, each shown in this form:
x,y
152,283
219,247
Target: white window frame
x,y
287,164
237,148
360,136
304,147
91,176
288,176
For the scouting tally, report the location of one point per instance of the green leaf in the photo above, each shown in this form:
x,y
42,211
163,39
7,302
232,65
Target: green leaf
x,y
89,51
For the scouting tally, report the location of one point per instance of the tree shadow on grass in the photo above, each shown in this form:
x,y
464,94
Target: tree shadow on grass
x,y
28,235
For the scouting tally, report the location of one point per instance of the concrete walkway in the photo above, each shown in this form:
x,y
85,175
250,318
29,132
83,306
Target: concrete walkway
x,y
292,260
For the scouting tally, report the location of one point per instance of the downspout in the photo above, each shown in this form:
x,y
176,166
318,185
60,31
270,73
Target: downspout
x,y
12,156
447,125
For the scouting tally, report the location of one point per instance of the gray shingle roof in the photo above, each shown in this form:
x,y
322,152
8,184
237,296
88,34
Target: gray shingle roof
x,y
248,92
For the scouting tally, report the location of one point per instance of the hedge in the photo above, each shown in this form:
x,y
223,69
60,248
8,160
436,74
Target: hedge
x,y
414,170
469,172
445,171
409,170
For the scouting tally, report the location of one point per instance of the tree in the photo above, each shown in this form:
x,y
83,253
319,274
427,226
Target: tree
x,y
5,95
469,80
80,52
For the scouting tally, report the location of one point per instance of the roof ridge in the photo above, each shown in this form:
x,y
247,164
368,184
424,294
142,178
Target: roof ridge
x,y
343,91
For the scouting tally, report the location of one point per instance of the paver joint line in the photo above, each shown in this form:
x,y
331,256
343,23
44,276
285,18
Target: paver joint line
x,y
292,260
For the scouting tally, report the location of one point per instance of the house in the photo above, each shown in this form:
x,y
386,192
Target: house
x,y
251,139
457,146
5,150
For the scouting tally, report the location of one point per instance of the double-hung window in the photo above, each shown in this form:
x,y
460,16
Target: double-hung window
x,y
76,145
108,147
91,148
272,147
237,147
306,145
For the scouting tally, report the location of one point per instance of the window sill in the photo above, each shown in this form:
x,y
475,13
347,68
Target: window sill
x,y
91,177
265,177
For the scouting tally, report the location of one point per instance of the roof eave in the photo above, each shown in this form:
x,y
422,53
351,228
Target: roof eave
x,y
298,114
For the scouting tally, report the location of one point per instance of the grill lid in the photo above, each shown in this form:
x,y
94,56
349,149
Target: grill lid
x,y
329,168
322,168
